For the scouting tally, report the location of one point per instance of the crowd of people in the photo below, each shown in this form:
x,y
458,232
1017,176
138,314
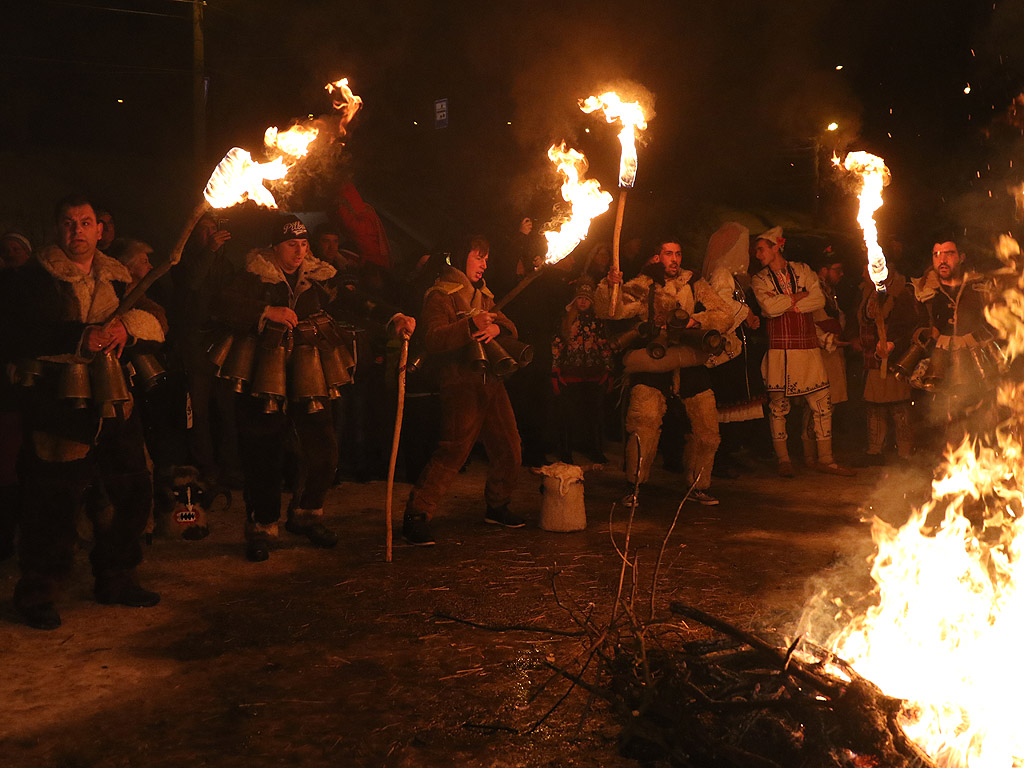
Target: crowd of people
x,y
275,370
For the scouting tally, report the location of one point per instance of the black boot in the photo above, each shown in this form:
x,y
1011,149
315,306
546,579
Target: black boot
x,y
502,516
39,616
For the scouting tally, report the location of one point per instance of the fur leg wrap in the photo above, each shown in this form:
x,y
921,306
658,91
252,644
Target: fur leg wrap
x,y
643,426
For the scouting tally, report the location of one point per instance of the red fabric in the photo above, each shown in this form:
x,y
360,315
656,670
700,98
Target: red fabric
x,y
365,227
792,330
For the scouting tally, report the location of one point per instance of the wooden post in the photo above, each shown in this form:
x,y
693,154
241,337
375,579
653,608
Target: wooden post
x,y
198,85
402,361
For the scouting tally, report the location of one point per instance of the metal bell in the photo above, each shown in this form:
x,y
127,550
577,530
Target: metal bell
x,y
336,373
270,374
499,361
109,388
938,366
218,351
148,370
908,362
657,349
706,340
28,372
237,367
476,356
74,384
521,352
963,371
306,381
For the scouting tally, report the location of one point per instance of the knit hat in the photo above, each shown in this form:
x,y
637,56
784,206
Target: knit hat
x,y
584,287
288,227
19,237
773,236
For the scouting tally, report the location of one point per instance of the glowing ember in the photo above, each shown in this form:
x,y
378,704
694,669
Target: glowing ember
x,y
633,120
873,176
238,177
948,616
294,142
586,200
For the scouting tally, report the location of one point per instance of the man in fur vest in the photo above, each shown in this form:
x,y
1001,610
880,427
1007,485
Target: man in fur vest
x,y
675,290
80,452
458,311
789,293
283,297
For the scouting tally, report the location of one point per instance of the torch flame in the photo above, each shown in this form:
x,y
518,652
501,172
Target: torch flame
x,y
294,142
873,176
343,100
633,120
238,177
948,617
586,199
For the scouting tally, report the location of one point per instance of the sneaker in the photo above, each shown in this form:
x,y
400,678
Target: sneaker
x,y
502,516
127,593
416,530
630,500
318,534
702,497
41,616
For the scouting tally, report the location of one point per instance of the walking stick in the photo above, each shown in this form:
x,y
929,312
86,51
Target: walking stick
x,y
402,361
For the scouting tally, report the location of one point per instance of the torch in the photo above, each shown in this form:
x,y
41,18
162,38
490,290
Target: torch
x,y
873,175
633,120
586,201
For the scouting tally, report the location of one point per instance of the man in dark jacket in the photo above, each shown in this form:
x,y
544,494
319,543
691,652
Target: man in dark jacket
x,y
458,311
81,451
279,305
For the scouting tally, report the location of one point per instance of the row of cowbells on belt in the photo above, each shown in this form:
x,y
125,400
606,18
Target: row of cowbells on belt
x,y
926,365
280,366
100,381
499,357
650,348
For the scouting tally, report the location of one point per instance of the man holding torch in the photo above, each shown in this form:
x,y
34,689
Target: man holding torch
x,y
675,290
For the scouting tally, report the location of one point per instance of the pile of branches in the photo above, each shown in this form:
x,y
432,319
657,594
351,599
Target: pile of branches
x,y
731,698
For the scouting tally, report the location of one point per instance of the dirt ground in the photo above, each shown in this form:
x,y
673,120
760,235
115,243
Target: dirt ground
x,y
335,658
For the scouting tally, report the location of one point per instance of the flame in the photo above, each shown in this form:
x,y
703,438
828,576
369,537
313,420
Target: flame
x,y
343,100
294,142
238,177
873,176
633,120
586,199
944,632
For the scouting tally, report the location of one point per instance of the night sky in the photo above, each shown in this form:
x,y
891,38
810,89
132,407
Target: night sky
x,y
99,98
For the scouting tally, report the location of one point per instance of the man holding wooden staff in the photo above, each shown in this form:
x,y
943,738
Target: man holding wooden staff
x,y
458,312
84,437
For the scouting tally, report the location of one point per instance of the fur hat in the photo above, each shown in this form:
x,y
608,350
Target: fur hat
x,y
19,238
773,236
288,227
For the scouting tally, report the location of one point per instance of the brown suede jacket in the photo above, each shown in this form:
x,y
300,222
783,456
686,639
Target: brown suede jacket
x,y
446,319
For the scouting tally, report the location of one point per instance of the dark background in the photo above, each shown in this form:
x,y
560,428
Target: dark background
x,y
742,91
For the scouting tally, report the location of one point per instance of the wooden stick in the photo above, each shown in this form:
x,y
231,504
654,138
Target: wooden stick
x,y
529,279
616,236
140,288
402,361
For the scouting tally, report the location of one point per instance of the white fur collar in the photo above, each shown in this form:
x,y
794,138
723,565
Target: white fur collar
x,y
57,263
261,264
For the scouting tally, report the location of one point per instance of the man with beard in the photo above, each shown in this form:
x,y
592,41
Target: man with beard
x,y
789,293
954,298
78,456
458,311
675,290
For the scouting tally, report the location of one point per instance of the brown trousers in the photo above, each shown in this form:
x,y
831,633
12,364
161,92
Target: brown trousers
x,y
472,407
